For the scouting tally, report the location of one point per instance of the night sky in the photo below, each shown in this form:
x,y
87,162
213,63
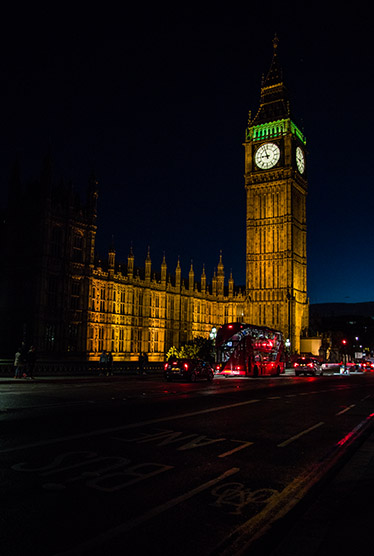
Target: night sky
x,y
158,109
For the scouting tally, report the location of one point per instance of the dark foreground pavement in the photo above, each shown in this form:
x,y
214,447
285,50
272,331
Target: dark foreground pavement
x,y
332,511
340,520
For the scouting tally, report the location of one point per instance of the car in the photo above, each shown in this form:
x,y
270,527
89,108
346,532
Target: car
x,y
340,367
367,366
188,369
307,366
331,367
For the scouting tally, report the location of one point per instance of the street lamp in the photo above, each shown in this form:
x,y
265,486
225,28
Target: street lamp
x,y
290,297
344,349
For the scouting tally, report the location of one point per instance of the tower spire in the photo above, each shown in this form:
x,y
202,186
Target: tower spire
x,y
275,44
274,102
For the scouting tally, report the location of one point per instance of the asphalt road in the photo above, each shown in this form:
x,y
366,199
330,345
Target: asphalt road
x,y
143,466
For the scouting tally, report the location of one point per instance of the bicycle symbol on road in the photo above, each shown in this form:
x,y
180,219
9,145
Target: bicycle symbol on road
x,y
238,496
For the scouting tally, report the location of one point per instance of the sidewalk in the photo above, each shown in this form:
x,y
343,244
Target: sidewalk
x,y
340,519
73,378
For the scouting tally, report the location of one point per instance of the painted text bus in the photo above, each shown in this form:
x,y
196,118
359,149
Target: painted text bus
x,y
249,350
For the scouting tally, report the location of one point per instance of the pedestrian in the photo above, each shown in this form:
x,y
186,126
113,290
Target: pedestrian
x,y
109,364
141,363
23,359
103,362
18,363
31,360
145,362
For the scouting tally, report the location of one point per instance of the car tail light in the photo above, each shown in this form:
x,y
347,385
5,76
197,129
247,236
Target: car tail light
x,y
310,365
238,368
166,366
295,365
186,366
175,362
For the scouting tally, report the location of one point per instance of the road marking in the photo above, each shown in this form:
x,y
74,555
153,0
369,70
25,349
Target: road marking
x,y
49,405
274,398
125,427
128,525
244,445
346,409
286,442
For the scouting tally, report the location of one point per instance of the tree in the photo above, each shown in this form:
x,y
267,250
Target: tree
x,y
199,347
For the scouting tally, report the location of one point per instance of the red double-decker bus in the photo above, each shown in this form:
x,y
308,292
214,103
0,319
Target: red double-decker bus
x,y
249,350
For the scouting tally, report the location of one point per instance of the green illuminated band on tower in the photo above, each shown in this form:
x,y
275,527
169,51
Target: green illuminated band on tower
x,y
274,129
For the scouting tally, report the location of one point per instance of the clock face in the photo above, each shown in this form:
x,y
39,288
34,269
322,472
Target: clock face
x,y
300,160
267,156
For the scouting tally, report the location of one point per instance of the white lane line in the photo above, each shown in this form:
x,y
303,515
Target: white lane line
x,y
286,442
346,409
244,445
128,525
125,427
49,405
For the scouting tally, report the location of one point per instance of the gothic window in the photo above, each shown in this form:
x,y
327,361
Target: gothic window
x,y
72,337
102,300
122,304
50,336
112,343
75,295
172,307
143,311
121,339
52,291
157,306
101,339
114,301
90,338
77,248
156,341
56,242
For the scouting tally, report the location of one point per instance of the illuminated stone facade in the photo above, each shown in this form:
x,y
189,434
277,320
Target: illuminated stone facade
x,y
67,303
276,186
136,310
54,294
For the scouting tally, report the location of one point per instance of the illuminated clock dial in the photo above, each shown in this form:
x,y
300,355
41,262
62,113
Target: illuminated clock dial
x,y
300,160
267,156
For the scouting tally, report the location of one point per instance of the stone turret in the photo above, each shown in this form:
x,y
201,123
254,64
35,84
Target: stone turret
x,y
178,274
220,276
203,280
148,265
163,271
214,283
111,258
231,285
130,264
191,278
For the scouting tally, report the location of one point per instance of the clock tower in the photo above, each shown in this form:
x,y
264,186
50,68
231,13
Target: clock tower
x,y
276,187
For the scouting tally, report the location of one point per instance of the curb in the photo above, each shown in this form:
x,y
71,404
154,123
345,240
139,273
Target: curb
x,y
260,532
71,379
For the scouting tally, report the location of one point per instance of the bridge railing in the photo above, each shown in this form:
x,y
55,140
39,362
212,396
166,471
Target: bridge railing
x,y
84,368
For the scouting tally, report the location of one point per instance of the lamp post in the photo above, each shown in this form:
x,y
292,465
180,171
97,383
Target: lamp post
x,y
344,349
290,298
